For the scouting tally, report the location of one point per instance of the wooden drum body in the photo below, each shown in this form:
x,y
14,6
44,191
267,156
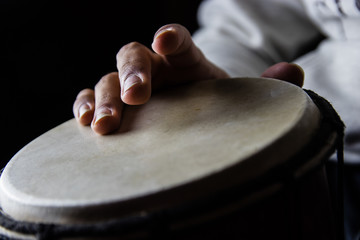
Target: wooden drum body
x,y
233,157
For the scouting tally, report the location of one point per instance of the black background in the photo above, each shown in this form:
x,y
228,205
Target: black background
x,y
50,50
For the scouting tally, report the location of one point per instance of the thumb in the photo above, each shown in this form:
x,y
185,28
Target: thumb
x,y
174,43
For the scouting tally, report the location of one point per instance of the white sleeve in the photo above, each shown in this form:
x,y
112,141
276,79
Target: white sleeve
x,y
244,37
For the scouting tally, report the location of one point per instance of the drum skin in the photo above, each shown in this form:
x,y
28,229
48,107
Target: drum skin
x,y
186,143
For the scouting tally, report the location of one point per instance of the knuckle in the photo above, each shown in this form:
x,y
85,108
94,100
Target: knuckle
x,y
133,58
133,67
85,92
173,25
133,45
104,100
107,101
105,104
106,80
130,67
130,47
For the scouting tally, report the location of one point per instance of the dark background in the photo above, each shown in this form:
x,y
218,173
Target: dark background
x,y
50,50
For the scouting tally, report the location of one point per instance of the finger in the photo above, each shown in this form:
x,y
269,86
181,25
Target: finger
x,y
84,106
134,66
108,105
288,72
174,41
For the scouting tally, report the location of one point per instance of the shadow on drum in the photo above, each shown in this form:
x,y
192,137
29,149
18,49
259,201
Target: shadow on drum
x,y
197,104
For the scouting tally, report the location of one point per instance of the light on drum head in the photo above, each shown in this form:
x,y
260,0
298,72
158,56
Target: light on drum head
x,y
187,143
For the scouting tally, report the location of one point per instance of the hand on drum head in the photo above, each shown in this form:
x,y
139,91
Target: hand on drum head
x,y
175,59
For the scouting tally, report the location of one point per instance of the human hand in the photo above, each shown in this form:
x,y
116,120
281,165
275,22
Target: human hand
x,y
175,60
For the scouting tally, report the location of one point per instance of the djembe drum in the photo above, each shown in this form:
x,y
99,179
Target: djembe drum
x,y
218,159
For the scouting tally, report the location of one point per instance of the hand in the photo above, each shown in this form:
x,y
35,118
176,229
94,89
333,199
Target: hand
x,y
175,60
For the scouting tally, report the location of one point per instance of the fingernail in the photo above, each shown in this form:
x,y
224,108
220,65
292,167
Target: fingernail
x,y
302,73
83,109
298,67
131,82
162,31
102,113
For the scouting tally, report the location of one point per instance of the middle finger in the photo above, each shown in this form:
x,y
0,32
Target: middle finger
x,y
108,104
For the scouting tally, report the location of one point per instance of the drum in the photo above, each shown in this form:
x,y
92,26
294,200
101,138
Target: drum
x,y
218,159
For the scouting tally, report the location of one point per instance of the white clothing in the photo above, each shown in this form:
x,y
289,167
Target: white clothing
x,y
244,37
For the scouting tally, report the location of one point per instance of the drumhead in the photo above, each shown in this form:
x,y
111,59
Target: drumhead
x,y
186,142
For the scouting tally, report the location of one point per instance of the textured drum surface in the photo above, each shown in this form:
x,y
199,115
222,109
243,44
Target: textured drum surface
x,y
182,135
